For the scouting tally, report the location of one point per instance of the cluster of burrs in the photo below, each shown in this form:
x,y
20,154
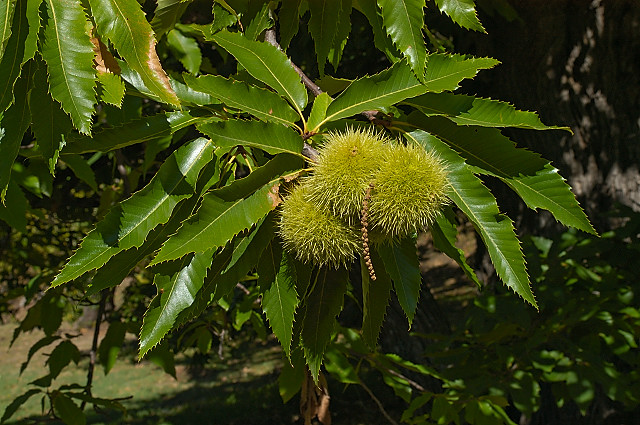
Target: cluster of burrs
x,y
391,189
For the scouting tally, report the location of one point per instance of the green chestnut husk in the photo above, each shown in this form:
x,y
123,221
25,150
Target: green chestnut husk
x,y
410,189
347,163
313,234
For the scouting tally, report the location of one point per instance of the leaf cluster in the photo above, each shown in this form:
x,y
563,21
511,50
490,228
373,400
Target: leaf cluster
x,y
185,129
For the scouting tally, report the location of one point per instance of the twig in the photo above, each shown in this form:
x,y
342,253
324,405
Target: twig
x,y
94,346
380,406
270,37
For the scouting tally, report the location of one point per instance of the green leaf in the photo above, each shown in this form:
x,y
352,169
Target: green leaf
x,y
67,410
444,234
323,304
111,344
259,23
186,95
111,88
133,132
323,26
14,209
262,104
163,357
444,71
230,266
267,64
218,221
401,263
120,265
469,110
289,21
404,20
50,124
68,52
61,356
279,303
167,14
340,39
124,23
477,203
186,49
13,125
17,402
375,92
530,176
271,138
462,12
292,375
269,264
128,224
318,111
178,284
81,169
6,19
380,37
280,165
375,299
17,51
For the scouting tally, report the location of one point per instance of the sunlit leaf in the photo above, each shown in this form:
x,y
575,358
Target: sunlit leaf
x,y
375,92
128,223
186,49
262,104
111,88
537,182
318,111
124,23
266,63
279,303
403,20
133,132
259,23
444,71
177,285
68,52
479,205
462,12
218,221
271,138
469,110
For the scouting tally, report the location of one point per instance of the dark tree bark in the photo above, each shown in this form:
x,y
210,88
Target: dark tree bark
x,y
578,64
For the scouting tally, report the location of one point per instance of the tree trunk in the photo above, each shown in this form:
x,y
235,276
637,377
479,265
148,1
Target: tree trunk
x,y
578,64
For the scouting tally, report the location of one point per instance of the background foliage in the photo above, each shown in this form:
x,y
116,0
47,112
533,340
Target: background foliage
x,y
151,143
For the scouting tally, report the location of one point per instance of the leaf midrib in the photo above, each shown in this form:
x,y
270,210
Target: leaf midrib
x,y
62,65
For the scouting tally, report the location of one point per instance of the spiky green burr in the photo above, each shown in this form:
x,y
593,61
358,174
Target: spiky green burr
x,y
410,189
313,233
347,163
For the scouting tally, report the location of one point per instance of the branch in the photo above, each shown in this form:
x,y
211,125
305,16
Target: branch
x,y
270,37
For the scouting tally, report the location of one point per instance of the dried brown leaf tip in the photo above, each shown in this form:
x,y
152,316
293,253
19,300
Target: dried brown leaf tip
x,y
314,400
104,60
274,195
